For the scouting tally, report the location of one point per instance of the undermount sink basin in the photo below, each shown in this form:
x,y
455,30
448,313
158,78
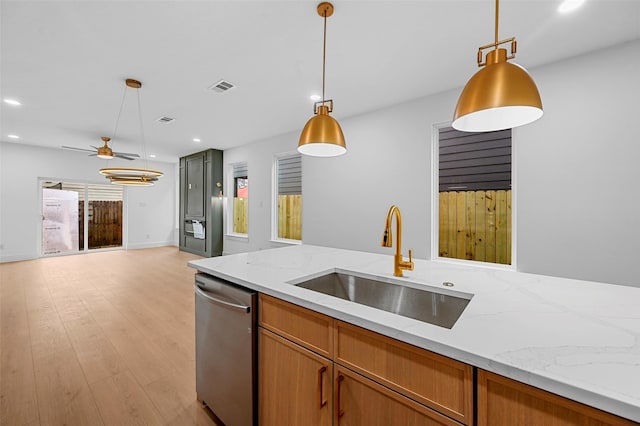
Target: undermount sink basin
x,y
437,308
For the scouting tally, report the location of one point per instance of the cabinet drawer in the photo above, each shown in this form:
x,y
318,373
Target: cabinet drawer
x,y
360,401
436,381
502,401
307,328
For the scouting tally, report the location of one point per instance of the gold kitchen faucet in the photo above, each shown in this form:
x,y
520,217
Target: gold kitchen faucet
x,y
387,241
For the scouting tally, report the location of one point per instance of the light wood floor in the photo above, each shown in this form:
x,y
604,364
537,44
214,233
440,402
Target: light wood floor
x,y
99,339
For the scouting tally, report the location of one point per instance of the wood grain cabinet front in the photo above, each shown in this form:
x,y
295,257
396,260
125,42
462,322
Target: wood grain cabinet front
x,y
307,328
363,402
436,381
506,402
295,384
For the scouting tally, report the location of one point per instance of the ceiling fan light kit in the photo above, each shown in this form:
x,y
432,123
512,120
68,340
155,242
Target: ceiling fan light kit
x,y
129,176
104,151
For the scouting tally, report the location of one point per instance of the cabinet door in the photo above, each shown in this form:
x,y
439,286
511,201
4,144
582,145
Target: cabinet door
x,y
295,384
433,380
195,186
502,401
360,401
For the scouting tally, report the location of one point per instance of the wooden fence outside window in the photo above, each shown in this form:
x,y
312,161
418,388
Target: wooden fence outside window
x,y
290,217
105,224
241,215
476,225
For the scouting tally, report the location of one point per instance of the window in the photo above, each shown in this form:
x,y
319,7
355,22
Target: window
x,y
474,195
288,198
240,218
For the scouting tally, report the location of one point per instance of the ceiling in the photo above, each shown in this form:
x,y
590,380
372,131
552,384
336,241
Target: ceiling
x,y
66,61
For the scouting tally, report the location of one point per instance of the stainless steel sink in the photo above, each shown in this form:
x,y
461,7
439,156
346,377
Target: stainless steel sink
x,y
433,307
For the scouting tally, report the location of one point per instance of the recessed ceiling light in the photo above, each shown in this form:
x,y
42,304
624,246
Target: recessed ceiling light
x,y
196,140
152,156
569,5
14,136
315,98
12,102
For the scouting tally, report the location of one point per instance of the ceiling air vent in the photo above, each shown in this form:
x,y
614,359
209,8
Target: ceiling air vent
x,y
165,119
222,86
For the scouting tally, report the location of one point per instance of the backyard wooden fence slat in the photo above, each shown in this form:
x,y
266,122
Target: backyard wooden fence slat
x,y
241,215
290,217
476,225
105,224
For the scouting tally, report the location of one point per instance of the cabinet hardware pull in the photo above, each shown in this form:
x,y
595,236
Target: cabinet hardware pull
x,y
321,372
339,410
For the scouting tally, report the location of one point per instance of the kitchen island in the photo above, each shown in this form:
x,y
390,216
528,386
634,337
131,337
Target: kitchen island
x,y
576,339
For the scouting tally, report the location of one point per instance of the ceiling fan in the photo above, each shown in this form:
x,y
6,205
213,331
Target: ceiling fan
x,y
104,151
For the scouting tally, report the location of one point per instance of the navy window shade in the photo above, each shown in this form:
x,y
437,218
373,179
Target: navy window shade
x,y
470,161
290,175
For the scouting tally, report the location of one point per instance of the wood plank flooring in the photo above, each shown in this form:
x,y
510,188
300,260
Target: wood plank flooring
x,y
99,339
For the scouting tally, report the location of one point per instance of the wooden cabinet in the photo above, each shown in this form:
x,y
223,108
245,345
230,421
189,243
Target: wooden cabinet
x,y
377,381
295,385
381,381
360,401
503,401
436,381
310,329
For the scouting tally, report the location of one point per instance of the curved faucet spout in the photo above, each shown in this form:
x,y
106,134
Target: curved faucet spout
x,y
399,263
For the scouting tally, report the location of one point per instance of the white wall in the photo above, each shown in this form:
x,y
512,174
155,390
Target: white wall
x,y
259,158
149,212
576,172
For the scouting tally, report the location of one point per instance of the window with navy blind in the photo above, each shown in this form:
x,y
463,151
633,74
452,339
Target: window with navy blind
x,y
474,195
288,198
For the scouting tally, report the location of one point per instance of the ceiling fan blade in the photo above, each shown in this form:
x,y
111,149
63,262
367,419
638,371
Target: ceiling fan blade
x,y
128,154
77,149
92,155
120,155
94,147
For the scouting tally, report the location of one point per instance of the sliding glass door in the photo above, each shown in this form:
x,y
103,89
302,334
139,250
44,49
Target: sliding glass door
x,y
78,217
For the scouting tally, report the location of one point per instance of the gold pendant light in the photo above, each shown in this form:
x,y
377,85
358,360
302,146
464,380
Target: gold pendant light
x,y
129,175
500,96
322,135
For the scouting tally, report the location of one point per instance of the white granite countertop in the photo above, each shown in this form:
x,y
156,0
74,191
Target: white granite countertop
x,y
574,338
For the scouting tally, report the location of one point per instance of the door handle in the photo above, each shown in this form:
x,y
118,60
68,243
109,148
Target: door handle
x,y
236,306
339,410
321,372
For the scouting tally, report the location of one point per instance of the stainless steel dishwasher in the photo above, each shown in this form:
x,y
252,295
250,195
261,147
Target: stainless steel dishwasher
x,y
226,350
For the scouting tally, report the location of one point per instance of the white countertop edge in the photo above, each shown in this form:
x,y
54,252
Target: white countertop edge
x,y
617,404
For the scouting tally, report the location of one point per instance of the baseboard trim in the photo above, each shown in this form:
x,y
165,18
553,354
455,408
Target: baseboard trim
x,y
150,245
17,258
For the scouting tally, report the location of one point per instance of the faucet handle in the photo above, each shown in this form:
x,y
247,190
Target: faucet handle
x,y
410,258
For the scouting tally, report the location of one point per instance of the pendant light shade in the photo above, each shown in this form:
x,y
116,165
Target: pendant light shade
x,y
500,96
322,135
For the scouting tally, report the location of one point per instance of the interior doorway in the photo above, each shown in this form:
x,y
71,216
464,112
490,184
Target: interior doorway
x,y
78,217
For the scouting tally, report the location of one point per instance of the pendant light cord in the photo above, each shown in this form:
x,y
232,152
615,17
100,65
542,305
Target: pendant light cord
x,y
144,145
324,53
497,14
124,95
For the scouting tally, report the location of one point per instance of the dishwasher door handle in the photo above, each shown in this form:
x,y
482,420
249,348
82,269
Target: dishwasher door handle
x,y
231,305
